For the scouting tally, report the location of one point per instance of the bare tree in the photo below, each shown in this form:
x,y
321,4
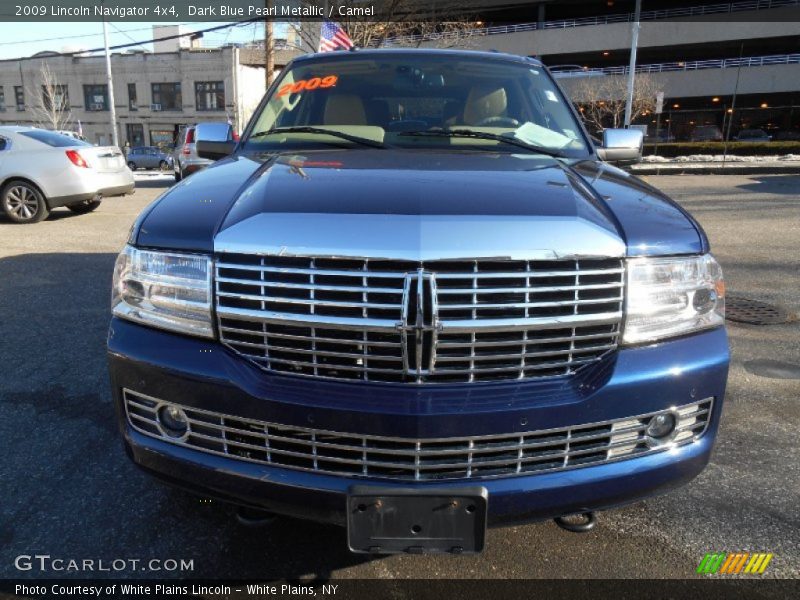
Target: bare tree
x,y
269,47
405,23
50,101
601,99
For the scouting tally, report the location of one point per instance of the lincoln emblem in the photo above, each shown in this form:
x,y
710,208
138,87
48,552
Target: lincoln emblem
x,y
420,324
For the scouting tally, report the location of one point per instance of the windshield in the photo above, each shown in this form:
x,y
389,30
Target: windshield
x,y
385,97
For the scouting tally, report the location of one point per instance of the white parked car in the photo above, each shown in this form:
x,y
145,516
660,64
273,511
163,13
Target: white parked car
x,y
41,169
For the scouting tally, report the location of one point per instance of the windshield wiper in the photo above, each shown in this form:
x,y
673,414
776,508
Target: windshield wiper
x,y
306,129
481,135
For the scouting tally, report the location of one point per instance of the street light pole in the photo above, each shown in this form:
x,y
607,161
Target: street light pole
x,y
632,65
112,110
727,134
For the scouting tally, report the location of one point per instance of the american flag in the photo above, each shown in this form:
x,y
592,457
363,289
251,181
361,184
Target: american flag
x,y
332,37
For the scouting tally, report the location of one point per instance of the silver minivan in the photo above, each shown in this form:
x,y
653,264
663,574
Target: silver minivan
x,y
185,159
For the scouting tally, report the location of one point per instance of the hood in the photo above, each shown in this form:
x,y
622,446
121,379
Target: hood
x,y
388,204
652,223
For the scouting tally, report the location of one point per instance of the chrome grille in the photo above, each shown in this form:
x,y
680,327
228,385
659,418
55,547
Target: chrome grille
x,y
393,458
476,320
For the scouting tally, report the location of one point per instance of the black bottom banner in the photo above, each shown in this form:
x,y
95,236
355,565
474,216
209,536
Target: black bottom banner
x,y
401,589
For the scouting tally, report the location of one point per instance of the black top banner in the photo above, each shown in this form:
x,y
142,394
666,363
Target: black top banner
x,y
175,11
178,11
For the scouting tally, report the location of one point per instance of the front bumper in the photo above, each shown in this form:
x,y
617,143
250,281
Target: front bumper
x,y
204,375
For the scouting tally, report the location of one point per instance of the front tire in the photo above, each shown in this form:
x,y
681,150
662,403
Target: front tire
x,y
22,202
163,165
131,165
87,206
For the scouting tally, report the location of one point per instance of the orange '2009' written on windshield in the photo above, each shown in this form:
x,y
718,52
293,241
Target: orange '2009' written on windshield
x,y
314,83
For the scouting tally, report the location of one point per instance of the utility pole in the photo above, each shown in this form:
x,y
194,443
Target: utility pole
x,y
632,65
112,111
269,46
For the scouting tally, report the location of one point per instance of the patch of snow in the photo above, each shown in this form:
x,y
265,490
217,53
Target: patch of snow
x,y
712,158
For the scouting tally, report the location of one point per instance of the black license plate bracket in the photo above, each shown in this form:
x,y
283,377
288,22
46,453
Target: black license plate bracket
x,y
416,521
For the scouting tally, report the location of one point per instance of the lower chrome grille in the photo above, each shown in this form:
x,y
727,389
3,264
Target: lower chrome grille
x,y
391,458
430,322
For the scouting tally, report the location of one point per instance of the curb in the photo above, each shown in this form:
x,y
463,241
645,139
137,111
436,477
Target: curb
x,y
717,169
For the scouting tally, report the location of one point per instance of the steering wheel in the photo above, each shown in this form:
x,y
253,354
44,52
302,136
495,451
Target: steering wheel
x,y
498,122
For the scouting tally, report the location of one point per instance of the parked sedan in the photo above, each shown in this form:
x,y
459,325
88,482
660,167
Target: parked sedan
x,y
148,157
706,133
753,135
660,137
40,170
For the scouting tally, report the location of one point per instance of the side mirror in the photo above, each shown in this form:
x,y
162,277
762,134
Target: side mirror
x,y
214,140
622,146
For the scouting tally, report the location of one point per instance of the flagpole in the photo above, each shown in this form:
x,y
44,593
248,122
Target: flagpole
x,y
322,23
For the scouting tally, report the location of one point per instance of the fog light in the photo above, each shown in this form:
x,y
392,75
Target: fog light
x,y
704,301
173,420
661,426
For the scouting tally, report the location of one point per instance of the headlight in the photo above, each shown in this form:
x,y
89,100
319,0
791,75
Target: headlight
x,y
672,296
164,289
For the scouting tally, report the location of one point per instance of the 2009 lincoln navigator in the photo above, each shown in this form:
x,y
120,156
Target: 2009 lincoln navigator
x,y
414,299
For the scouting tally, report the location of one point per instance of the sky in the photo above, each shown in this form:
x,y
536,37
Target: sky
x,y
25,39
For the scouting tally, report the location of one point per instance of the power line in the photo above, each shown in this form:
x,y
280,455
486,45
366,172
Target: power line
x,y
133,44
91,35
170,68
125,33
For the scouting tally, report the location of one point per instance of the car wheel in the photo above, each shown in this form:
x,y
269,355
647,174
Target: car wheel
x,y
178,176
163,165
87,206
23,202
131,165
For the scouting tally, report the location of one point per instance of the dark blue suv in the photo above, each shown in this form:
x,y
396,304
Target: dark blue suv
x,y
414,299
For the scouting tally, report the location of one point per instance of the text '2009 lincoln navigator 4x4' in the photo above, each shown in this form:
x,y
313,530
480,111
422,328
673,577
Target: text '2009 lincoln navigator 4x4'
x,y
415,300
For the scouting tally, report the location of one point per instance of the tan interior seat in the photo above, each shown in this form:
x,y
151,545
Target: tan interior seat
x,y
484,102
345,109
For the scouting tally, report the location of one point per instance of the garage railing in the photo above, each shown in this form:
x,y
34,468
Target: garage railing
x,y
650,15
689,65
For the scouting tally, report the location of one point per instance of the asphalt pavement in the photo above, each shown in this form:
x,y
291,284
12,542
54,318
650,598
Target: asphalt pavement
x,y
69,491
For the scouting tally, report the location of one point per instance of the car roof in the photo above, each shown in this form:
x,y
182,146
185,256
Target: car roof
x,y
20,129
377,52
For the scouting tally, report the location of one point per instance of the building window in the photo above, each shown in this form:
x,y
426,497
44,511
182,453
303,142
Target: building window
x,y
19,92
209,95
135,133
55,97
167,96
163,138
2,99
95,97
132,101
